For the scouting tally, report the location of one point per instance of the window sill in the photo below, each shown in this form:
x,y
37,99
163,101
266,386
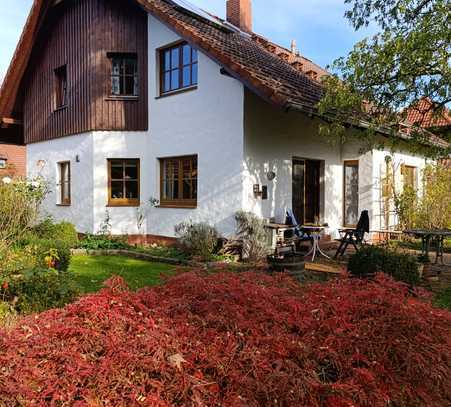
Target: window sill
x,y
176,92
177,206
63,204
123,98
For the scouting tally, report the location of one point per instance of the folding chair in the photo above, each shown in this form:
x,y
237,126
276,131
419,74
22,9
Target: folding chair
x,y
354,237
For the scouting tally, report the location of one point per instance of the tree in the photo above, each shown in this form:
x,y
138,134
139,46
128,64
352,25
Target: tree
x,y
405,62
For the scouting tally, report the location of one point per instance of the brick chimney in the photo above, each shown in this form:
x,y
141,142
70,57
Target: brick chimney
x,y
239,13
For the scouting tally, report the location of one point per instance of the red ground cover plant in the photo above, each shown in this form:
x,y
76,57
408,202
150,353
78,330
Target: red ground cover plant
x,y
233,340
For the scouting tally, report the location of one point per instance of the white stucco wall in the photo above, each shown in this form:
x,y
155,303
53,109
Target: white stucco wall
x,y
114,144
237,137
273,139
398,158
42,161
208,122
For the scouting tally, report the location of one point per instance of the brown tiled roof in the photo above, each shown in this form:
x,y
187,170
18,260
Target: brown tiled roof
x,y
242,56
271,71
422,115
295,59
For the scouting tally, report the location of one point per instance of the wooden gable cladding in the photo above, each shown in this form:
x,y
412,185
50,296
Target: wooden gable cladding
x,y
80,35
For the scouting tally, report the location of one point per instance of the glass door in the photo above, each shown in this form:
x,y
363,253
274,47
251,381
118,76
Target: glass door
x,y
306,190
351,193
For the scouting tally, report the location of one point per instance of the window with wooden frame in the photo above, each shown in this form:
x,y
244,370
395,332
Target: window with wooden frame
x,y
64,186
178,181
409,176
124,74
178,68
123,182
60,87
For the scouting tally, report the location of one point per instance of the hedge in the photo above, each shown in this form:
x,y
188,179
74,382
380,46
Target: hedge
x,y
370,260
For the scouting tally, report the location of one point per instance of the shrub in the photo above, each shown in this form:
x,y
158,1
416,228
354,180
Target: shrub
x,y
406,208
250,229
14,260
103,242
40,289
234,339
51,253
19,207
432,209
32,256
435,205
198,239
63,231
370,260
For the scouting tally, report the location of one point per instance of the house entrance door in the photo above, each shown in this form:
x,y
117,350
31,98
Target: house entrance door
x,y
306,190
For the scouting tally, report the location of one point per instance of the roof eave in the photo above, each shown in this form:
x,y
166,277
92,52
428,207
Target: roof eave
x,y
362,124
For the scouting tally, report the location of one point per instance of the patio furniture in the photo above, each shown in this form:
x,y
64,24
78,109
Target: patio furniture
x,y
353,236
314,234
291,220
429,236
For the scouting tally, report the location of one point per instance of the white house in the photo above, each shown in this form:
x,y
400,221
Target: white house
x,y
124,101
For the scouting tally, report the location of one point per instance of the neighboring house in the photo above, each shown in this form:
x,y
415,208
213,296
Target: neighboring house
x,y
124,100
422,115
12,161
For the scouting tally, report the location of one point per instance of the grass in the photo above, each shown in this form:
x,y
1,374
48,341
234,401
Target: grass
x,y
444,299
91,271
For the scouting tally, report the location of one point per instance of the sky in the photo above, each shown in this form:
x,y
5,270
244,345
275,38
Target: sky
x,y
318,26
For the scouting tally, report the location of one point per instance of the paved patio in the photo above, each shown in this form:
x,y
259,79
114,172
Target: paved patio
x,y
437,277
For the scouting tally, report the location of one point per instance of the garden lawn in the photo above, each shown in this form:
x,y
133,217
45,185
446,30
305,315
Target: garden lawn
x,y
91,271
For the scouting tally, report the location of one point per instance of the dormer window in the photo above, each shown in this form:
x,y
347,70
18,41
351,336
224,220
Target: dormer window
x,y
124,74
178,68
61,87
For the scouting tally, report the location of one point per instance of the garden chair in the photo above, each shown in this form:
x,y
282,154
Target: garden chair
x,y
354,237
291,220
